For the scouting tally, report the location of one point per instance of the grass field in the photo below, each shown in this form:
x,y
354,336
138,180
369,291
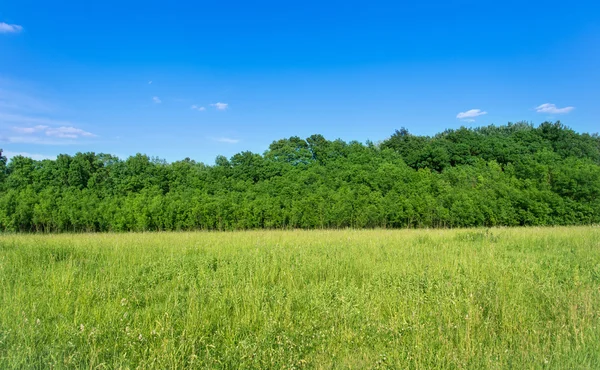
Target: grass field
x,y
499,298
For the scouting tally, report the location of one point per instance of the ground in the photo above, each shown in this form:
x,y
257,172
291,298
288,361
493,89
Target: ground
x,y
475,298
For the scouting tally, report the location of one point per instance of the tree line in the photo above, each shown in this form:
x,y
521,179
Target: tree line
x,y
510,175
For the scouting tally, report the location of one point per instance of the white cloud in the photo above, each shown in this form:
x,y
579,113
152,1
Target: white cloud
x,y
35,134
68,132
30,130
227,140
552,109
156,100
200,109
24,119
470,114
149,82
37,157
220,106
10,28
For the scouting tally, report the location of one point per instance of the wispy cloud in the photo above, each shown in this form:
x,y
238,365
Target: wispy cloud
x,y
10,28
156,100
220,106
37,157
24,119
226,140
552,109
67,132
45,131
30,130
469,115
61,132
195,107
149,82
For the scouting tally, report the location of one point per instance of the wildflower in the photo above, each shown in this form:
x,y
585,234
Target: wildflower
x,y
81,327
37,321
140,337
123,301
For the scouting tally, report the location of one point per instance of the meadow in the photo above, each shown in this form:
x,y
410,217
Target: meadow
x,y
410,299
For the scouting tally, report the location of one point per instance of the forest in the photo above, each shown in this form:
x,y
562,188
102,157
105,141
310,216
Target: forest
x,y
511,175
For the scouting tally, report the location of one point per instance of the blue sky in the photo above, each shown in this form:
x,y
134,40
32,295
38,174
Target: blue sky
x,y
198,79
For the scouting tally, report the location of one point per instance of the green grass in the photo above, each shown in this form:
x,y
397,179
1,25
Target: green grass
x,y
499,298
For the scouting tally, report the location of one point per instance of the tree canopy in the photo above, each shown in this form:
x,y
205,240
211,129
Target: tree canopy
x,y
515,174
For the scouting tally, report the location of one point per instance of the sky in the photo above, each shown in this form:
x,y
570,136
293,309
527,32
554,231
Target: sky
x,y
199,79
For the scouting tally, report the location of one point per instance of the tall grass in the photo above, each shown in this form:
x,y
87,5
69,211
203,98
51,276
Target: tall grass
x,y
501,298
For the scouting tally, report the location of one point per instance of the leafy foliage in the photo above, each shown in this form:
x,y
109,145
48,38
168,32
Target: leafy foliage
x,y
515,174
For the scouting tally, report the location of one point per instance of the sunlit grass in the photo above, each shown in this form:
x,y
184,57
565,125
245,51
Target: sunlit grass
x,y
499,298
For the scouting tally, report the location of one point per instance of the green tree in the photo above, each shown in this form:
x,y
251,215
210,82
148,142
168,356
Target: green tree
x,y
3,161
